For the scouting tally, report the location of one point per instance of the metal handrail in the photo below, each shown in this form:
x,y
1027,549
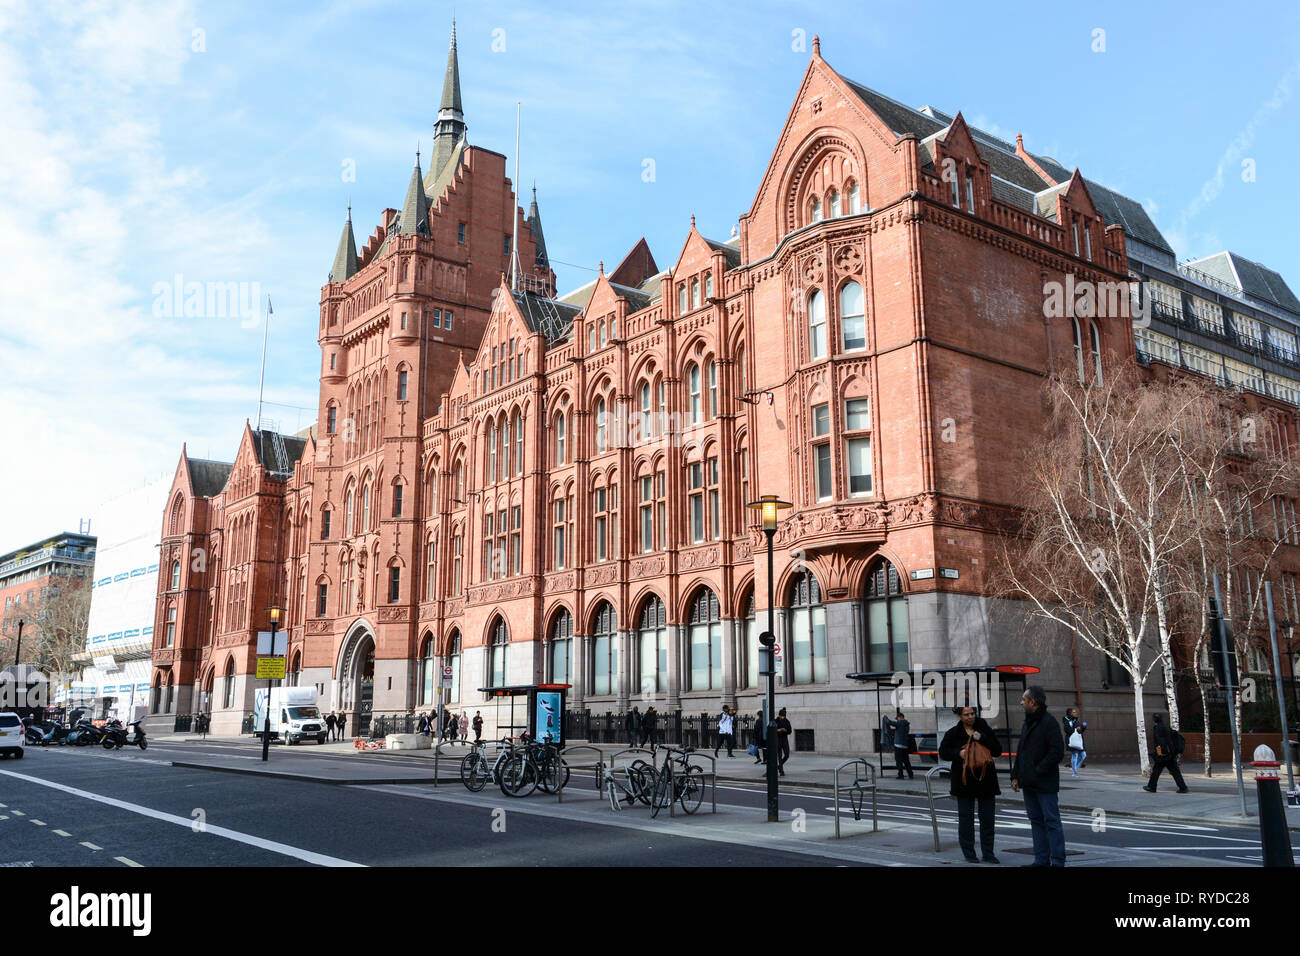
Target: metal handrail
x,y
672,784
598,767
929,793
856,785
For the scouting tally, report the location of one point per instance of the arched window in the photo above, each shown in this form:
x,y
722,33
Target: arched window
x,y
519,444
713,389
752,631
887,625
693,387
431,575
601,442
458,477
295,672
1096,352
1078,348
853,320
156,704
645,412
453,659
499,651
171,626
817,325
176,575
705,642
855,199
695,292
815,210
506,447
682,303
349,503
708,285
807,630
604,650
169,694
425,668
559,439
652,648
365,508
559,658
229,691
833,202
492,454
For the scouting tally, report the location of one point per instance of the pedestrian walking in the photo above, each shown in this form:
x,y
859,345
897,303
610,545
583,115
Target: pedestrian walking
x,y
900,730
649,728
453,725
463,726
726,731
330,721
1074,728
972,745
1169,747
423,727
783,732
632,725
1037,773
342,723
478,726
760,738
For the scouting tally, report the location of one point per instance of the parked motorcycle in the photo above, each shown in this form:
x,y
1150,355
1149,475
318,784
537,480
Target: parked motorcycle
x,y
85,734
33,732
115,735
56,733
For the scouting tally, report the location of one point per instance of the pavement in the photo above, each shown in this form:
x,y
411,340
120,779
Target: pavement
x,y
1101,788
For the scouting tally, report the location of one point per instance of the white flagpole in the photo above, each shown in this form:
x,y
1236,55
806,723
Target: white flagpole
x,y
261,378
514,239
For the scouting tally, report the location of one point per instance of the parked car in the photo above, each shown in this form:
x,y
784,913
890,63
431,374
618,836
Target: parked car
x,y
11,735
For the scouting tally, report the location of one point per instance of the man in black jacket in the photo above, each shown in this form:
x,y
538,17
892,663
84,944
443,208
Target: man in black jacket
x,y
1036,772
632,724
1164,757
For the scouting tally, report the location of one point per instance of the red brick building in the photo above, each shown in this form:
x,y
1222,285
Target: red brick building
x,y
30,575
528,487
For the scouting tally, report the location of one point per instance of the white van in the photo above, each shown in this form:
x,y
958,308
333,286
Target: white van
x,y
11,735
294,714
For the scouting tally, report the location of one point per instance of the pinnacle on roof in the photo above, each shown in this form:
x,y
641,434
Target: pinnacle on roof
x,y
450,127
415,209
543,264
345,260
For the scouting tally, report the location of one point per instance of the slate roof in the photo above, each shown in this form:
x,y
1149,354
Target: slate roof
x,y
552,318
1014,171
1249,277
731,252
208,477
345,259
637,298
269,456
415,210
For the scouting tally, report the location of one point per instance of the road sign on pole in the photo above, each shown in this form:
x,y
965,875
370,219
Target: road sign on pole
x,y
270,668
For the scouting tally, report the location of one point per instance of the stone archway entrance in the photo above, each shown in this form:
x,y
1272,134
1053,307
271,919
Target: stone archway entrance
x,y
357,677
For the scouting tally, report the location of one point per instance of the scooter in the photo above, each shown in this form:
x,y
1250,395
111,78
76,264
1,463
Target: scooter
x,y
84,734
56,734
33,732
115,736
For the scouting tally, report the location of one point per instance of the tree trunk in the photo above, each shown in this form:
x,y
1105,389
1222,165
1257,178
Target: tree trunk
x,y
1205,710
1140,717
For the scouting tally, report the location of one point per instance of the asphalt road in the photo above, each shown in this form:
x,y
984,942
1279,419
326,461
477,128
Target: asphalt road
x,y
167,816
202,818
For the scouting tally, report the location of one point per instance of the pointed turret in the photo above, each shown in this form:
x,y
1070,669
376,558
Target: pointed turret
x,y
450,128
345,260
415,210
543,264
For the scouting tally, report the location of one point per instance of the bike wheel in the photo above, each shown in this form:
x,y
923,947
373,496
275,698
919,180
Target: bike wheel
x,y
641,781
518,776
553,773
469,773
690,789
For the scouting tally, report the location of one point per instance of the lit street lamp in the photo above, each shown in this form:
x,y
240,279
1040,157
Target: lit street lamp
x,y
266,724
769,507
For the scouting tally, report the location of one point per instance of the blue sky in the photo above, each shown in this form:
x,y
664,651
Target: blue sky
x,y
145,140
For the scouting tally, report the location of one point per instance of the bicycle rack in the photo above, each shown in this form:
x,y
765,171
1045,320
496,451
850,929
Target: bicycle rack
x,y
437,755
598,767
711,775
929,793
857,792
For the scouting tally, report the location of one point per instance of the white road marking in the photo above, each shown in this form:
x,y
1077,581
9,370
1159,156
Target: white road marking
x,y
61,832
90,846
18,813
38,823
284,849
122,859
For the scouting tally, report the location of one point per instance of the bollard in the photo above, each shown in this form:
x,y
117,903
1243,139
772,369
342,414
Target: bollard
x,y
1274,836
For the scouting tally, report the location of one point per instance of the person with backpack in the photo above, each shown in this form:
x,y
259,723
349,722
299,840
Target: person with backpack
x,y
1169,747
1074,728
726,732
901,729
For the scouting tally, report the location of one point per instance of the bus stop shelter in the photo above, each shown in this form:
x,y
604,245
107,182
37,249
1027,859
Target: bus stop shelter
x,y
931,700
535,709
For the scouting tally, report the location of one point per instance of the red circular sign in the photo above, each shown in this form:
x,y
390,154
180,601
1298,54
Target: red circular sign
x,y
1016,669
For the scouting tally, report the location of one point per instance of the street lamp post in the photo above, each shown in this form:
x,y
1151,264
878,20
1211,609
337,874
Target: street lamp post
x,y
768,507
19,649
266,723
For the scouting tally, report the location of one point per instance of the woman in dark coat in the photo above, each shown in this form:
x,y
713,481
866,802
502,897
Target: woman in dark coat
x,y
972,791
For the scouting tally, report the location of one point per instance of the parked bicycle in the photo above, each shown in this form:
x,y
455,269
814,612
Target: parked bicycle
x,y
475,771
534,765
641,779
678,780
